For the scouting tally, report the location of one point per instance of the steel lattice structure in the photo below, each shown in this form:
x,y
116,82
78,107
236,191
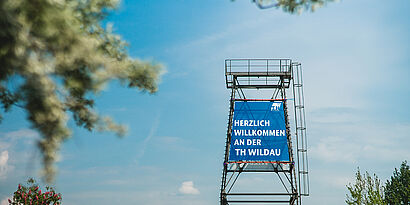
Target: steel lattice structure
x,y
267,80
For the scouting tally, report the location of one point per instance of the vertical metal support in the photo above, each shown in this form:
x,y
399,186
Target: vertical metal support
x,y
292,172
223,198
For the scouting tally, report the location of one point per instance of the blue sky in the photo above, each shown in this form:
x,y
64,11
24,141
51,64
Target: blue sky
x,y
355,56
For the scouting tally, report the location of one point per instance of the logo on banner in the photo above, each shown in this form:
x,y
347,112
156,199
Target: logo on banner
x,y
275,106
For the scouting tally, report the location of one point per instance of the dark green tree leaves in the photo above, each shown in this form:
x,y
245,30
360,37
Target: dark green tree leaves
x,y
398,187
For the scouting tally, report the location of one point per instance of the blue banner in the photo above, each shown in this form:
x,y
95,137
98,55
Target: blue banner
x,y
259,132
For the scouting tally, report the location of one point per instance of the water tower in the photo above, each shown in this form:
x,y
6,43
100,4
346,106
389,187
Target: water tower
x,y
265,158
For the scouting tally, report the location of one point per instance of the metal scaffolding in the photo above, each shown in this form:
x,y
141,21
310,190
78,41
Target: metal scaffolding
x,y
267,80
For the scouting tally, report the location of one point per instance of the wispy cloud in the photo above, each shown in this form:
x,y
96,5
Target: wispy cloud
x,y
26,136
152,132
336,179
350,142
22,133
4,157
172,144
10,145
336,149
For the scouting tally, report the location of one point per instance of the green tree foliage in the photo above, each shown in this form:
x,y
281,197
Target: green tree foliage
x,y
292,6
367,190
32,195
54,57
398,187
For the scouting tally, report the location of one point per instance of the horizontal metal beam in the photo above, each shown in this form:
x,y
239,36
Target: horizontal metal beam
x,y
250,201
264,194
254,170
247,99
260,74
258,86
258,59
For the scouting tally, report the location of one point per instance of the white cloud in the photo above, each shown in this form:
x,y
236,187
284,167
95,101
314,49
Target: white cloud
x,y
16,144
332,179
22,133
4,157
187,187
10,139
4,201
336,149
353,142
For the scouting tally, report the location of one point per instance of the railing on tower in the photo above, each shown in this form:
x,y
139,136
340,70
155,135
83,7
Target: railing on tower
x,y
257,73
